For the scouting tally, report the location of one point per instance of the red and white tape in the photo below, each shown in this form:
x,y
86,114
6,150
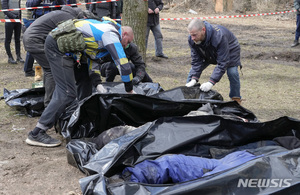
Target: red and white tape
x,y
202,18
234,16
10,20
53,6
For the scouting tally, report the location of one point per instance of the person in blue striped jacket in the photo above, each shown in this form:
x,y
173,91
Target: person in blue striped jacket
x,y
102,38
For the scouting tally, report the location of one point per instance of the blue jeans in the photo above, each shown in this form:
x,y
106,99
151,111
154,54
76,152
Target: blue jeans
x,y
234,80
65,90
297,33
158,39
29,60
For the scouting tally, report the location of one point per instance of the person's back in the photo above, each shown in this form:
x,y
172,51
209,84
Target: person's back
x,y
34,40
103,9
36,34
99,28
36,13
215,35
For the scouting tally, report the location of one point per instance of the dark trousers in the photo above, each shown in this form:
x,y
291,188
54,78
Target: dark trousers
x,y
29,60
63,70
10,28
65,90
83,82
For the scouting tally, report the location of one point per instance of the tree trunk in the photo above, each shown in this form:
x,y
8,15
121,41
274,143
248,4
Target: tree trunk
x,y
223,5
135,15
219,6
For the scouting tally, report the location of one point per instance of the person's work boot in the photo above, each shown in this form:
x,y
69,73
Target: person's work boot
x,y
38,73
237,99
295,43
42,139
19,59
11,60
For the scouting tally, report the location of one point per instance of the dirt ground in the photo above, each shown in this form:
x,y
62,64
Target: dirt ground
x,y
270,88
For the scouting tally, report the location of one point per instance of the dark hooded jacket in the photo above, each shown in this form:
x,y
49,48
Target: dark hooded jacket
x,y
220,47
153,19
133,55
297,6
103,9
35,35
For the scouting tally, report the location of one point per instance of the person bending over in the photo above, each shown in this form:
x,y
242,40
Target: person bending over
x,y
109,69
93,39
214,44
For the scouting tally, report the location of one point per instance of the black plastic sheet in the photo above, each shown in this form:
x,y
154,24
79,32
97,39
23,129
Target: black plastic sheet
x,y
163,128
142,88
188,93
100,112
198,136
30,100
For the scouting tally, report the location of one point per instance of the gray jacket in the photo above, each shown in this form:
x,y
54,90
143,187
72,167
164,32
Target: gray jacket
x,y
35,35
11,4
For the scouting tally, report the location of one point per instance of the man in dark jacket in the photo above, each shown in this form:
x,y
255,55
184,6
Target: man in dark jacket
x,y
109,69
154,7
297,33
34,40
214,44
103,9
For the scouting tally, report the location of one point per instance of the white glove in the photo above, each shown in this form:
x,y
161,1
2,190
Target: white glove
x,y
191,83
101,89
206,86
